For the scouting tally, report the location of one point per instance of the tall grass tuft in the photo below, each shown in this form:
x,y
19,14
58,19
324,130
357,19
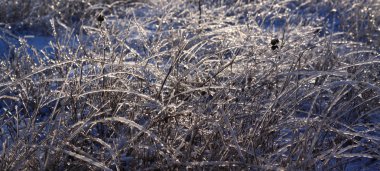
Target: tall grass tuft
x,y
180,84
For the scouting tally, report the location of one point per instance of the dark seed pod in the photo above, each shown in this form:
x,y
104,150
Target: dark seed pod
x,y
274,42
100,18
203,93
317,31
274,47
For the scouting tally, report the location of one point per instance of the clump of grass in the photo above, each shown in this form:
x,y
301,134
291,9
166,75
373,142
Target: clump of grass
x,y
152,87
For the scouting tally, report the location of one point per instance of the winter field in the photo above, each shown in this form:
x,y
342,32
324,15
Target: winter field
x,y
190,85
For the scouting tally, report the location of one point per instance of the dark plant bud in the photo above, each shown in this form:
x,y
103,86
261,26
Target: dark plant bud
x,y
203,93
100,18
317,31
249,80
274,47
274,42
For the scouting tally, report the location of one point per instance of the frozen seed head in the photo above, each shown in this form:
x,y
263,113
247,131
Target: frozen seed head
x,y
274,42
274,47
317,31
100,18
